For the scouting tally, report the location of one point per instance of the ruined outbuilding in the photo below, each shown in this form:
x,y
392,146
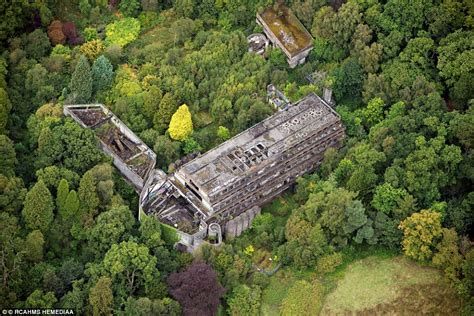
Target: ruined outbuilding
x,y
130,155
286,32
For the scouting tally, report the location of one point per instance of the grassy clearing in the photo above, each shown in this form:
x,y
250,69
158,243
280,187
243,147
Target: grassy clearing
x,y
278,288
396,285
281,207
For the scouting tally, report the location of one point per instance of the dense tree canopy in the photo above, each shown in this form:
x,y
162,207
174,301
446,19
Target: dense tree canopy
x,y
178,73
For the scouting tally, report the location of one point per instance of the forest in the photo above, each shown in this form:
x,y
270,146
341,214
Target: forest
x,y
179,74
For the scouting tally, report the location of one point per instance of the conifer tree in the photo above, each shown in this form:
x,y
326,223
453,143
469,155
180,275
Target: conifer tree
x,y
38,208
88,198
165,111
81,82
61,195
34,246
71,205
5,107
102,73
181,125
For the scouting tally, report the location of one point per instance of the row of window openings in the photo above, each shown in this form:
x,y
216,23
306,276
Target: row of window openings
x,y
256,186
284,156
288,166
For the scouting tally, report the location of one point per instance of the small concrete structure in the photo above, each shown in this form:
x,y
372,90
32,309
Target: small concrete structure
x,y
318,78
286,32
215,234
277,98
258,43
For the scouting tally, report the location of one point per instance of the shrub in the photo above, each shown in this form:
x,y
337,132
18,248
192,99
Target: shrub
x,y
122,32
92,49
303,298
90,34
61,50
329,263
55,33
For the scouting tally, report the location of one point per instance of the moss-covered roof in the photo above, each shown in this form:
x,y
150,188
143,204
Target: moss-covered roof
x,y
287,29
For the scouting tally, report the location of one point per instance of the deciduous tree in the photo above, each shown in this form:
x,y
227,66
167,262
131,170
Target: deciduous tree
x,y
101,297
244,301
131,266
181,124
39,299
420,232
196,289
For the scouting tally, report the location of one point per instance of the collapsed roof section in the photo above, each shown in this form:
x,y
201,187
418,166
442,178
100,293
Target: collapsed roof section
x,y
131,156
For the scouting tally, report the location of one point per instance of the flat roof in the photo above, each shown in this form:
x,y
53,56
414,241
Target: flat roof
x,y
259,145
286,27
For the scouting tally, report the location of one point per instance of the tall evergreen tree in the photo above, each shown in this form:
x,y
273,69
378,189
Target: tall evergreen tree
x,y
88,198
81,82
168,106
181,124
62,194
102,73
71,205
38,207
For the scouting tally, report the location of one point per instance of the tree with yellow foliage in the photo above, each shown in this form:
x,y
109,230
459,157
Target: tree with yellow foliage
x,y
420,232
181,124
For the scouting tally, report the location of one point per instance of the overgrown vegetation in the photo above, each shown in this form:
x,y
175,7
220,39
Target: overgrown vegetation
x,y
178,73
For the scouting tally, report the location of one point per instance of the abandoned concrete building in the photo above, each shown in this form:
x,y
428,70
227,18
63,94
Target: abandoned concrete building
x,y
228,184
219,193
286,32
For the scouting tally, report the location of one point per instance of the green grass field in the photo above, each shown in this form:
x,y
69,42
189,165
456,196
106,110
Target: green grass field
x,y
278,288
381,284
391,286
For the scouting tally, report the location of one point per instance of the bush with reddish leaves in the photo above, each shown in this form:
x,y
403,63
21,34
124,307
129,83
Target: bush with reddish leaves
x,y
55,33
69,29
196,289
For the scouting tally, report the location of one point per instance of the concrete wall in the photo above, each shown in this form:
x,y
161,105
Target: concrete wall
x,y
235,227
